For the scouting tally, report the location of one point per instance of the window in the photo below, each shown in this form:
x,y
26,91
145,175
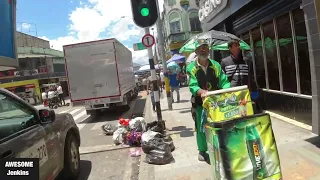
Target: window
x,y
271,55
171,2
174,22
22,63
259,62
195,24
175,27
43,62
303,52
37,62
14,116
287,54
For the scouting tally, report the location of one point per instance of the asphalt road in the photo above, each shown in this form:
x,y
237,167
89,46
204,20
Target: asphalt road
x,y
100,158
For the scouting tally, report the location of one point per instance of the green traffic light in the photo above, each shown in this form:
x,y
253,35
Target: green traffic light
x,y
144,12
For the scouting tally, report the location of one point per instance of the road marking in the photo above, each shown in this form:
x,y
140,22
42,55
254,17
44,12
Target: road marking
x,y
63,112
79,115
83,118
97,126
80,126
74,111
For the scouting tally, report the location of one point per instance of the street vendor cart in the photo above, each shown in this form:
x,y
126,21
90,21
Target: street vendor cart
x,y
241,145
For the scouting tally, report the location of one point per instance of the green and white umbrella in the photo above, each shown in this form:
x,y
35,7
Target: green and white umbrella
x,y
217,40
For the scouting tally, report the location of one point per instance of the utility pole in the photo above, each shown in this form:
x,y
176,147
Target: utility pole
x,y
145,14
154,79
162,56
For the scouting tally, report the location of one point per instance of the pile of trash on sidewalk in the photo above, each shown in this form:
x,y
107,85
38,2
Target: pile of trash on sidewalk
x,y
136,132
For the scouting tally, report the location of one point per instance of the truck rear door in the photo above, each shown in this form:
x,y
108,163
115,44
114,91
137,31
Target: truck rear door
x,y
92,70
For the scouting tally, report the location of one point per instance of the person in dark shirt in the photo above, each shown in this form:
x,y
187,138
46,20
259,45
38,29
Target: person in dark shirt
x,y
174,85
239,70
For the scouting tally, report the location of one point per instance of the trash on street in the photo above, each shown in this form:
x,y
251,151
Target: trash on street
x,y
108,129
135,152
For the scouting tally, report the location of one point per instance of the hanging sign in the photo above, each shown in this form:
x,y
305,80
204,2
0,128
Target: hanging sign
x,y
208,9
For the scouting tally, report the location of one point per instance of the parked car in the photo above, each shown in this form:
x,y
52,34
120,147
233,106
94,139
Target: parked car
x,y
26,132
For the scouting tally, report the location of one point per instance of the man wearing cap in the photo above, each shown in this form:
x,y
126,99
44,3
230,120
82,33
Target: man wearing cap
x,y
204,75
239,69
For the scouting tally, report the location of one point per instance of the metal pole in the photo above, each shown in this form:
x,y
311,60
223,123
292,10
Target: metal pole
x,y
162,56
155,89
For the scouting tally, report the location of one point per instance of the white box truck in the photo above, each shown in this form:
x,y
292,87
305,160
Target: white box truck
x,y
100,74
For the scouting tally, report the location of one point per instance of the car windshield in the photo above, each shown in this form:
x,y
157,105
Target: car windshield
x,y
12,109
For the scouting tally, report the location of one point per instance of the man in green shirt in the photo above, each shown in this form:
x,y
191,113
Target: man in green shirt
x,y
204,75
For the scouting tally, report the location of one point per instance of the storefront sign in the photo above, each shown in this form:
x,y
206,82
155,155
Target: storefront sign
x,y
63,79
210,8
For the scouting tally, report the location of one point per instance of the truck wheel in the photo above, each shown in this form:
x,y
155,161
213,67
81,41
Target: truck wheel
x,y
126,102
71,158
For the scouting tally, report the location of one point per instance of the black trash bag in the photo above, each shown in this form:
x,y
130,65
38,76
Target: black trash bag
x,y
160,155
108,129
169,141
156,126
155,143
138,126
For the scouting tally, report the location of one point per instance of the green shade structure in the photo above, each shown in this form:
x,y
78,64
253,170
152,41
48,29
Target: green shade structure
x,y
224,46
269,43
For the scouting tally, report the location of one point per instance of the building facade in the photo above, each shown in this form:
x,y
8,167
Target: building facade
x,y
284,39
179,21
38,66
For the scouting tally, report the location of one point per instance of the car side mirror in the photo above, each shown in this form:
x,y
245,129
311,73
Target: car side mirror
x,y
47,115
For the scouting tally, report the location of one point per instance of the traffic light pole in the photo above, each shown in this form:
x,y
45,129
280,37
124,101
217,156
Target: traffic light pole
x,y
162,55
156,94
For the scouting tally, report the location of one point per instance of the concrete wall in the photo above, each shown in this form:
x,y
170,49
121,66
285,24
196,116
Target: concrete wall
x,y
314,53
25,40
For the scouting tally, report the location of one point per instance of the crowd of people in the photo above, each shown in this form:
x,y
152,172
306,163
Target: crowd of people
x,y
54,94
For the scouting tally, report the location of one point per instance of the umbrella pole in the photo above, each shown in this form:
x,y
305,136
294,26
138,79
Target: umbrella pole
x,y
156,94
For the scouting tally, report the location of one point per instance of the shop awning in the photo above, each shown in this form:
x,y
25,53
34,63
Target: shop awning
x,y
34,56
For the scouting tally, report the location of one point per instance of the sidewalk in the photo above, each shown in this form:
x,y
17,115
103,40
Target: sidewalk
x,y
299,149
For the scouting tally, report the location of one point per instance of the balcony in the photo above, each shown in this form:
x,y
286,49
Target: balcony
x,y
176,37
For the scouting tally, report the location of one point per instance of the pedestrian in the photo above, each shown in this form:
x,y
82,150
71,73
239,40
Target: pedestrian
x,y
174,84
136,79
204,75
44,96
51,94
162,79
150,88
144,82
60,94
239,68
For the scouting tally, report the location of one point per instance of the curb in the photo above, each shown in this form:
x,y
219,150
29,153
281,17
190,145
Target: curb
x,y
290,121
145,171
101,148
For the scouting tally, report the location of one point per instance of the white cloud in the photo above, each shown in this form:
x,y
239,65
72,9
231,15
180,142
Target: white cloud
x,y
98,19
26,26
